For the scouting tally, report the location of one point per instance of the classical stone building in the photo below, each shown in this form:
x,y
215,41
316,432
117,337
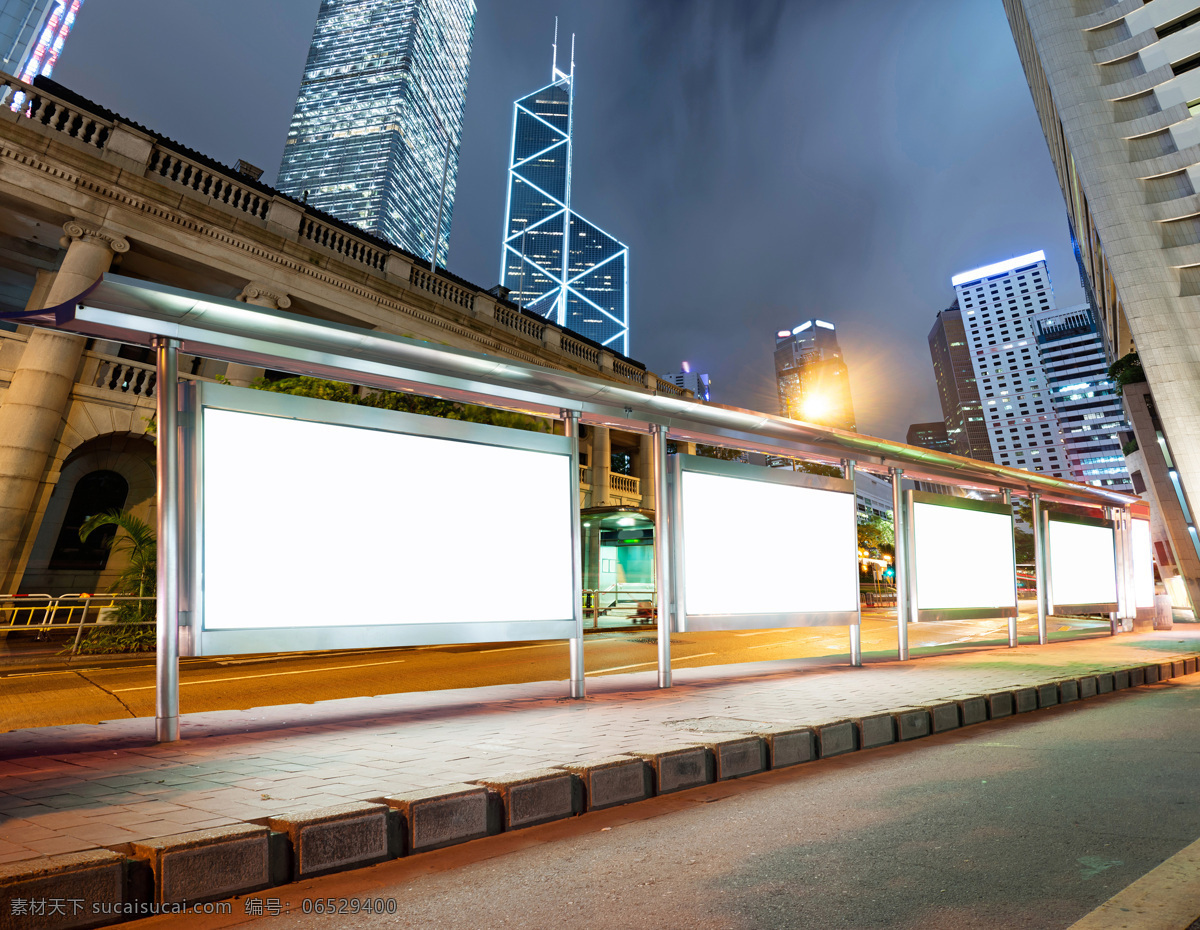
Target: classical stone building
x,y
84,192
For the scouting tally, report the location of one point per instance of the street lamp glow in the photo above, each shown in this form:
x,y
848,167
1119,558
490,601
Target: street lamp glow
x,y
815,407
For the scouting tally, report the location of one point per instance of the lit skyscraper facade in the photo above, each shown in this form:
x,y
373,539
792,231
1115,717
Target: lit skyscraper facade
x,y
583,285
32,35
811,374
378,119
957,390
689,380
998,303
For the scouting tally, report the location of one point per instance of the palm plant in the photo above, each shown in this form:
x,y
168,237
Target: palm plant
x,y
135,539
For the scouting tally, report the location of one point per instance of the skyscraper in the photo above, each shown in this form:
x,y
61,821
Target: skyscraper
x,y
957,389
931,436
998,303
689,380
32,35
811,374
378,120
1117,90
1086,401
585,285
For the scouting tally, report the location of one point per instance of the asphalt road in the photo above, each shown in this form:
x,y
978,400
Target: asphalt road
x,y
1030,822
96,689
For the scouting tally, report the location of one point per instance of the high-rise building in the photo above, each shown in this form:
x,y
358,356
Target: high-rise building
x,y
583,285
32,35
689,380
1086,401
375,134
1116,88
812,377
998,303
957,390
931,436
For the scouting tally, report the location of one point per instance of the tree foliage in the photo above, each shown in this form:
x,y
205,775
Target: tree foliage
x,y
133,631
338,392
1127,370
878,533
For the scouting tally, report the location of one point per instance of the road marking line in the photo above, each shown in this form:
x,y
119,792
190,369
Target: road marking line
x,y
511,648
699,656
300,671
755,633
620,668
769,645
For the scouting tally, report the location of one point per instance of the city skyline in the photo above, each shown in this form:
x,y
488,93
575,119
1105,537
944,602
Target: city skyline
x,y
862,223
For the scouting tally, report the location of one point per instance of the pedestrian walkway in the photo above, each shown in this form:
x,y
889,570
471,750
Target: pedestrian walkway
x,y
71,788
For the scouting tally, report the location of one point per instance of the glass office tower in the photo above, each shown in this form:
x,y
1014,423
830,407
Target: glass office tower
x,y
584,287
32,35
379,108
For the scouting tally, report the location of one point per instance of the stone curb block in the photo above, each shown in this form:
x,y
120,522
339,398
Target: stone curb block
x,y
973,710
206,865
677,768
1151,674
943,716
1166,671
1088,686
440,817
738,756
96,875
1121,679
879,730
788,746
1189,666
1137,676
612,781
1178,668
837,738
526,799
332,839
912,724
1000,705
1025,700
1047,695
1104,683
1068,690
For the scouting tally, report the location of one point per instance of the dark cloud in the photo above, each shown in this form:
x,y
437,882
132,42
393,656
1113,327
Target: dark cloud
x,y
766,161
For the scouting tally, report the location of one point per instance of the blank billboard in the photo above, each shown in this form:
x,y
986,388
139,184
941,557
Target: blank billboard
x,y
1083,561
318,524
1143,564
963,554
761,547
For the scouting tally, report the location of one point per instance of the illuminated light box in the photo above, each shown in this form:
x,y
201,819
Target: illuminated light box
x,y
963,556
1143,565
1082,562
763,547
320,525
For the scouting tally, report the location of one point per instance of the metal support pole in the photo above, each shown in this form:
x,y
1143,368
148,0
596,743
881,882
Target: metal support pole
x,y
166,691
1131,605
856,627
900,528
664,556
1012,621
1120,549
1042,567
570,420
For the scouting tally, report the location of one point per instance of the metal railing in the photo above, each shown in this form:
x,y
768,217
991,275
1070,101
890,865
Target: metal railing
x,y
636,604
44,614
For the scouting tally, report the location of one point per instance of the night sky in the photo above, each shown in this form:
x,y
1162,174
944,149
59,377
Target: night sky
x,y
766,162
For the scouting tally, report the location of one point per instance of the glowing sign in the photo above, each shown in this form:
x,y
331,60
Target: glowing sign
x,y
1143,565
801,328
824,324
50,41
783,334
997,268
758,547
1083,561
310,524
954,576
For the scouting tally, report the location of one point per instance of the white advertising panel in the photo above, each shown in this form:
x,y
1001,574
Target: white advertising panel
x,y
760,547
1143,564
1083,559
964,557
316,524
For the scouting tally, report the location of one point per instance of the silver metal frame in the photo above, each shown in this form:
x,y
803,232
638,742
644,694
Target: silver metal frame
x,y
664,552
1101,608
1041,555
928,615
848,466
903,547
570,420
202,396
692,622
1013,641
166,692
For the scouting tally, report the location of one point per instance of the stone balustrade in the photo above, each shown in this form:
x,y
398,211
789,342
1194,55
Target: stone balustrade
x,y
207,183
519,322
315,232
624,484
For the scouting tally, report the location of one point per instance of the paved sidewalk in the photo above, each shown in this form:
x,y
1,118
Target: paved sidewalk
x,y
72,788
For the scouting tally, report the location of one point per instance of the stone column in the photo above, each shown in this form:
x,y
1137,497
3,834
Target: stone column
x,y
35,405
645,471
601,463
259,295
